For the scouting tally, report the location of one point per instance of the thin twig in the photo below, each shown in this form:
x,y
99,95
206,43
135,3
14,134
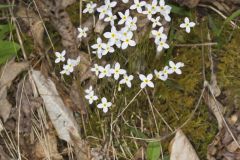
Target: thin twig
x,y
121,113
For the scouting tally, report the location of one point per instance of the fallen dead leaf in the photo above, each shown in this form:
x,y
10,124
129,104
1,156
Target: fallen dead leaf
x,y
10,72
215,106
7,74
3,155
181,148
35,24
47,150
60,115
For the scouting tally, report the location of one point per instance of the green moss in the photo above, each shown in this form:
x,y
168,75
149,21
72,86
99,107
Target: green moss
x,y
174,99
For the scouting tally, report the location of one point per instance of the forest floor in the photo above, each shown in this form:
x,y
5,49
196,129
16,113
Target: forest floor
x,y
202,103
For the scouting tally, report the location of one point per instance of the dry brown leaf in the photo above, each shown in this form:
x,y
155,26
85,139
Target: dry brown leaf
x,y
181,148
8,74
49,149
61,21
77,97
215,106
100,26
61,117
27,104
5,106
34,24
139,155
3,155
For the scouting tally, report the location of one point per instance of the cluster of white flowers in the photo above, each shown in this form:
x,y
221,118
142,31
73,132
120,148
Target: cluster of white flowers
x,y
162,75
121,36
116,71
71,63
172,68
91,97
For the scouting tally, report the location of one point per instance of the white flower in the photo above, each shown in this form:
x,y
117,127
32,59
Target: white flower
x,y
95,69
110,4
105,71
161,45
154,6
103,10
113,36
156,22
99,46
104,105
165,10
149,12
60,56
124,17
127,80
176,67
187,24
90,7
125,1
163,75
138,5
82,32
158,34
117,71
89,90
110,18
91,97
146,81
108,49
127,40
76,61
131,24
68,68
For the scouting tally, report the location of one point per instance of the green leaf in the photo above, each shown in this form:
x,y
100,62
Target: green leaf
x,y
182,11
233,16
4,29
153,151
213,26
136,132
7,50
230,18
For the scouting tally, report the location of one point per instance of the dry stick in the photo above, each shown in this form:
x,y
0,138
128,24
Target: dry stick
x,y
120,114
80,10
18,124
50,40
111,137
9,144
151,106
234,25
170,128
196,45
